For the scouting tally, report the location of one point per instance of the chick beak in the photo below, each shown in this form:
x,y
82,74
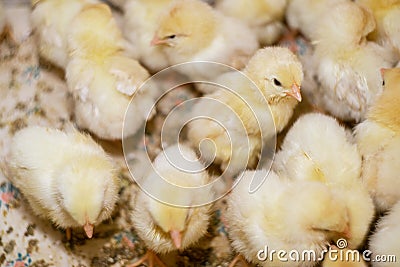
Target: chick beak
x,y
347,232
88,228
382,70
176,237
156,41
295,92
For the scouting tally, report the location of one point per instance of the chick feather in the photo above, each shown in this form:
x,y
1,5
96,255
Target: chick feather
x,y
277,76
317,148
378,139
165,227
101,78
265,17
192,30
65,176
284,215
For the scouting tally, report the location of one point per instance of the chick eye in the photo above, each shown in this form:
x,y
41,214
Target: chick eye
x,y
171,36
383,83
276,82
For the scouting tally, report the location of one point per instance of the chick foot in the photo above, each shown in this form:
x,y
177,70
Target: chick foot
x,y
151,258
238,258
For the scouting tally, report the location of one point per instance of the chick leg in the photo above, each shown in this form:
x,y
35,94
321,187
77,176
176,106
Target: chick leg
x,y
68,233
151,258
238,258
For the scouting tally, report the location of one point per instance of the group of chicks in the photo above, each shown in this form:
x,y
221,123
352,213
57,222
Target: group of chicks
x,y
326,182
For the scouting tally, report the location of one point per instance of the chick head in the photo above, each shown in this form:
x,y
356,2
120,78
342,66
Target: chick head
x,y
87,189
94,32
277,72
186,27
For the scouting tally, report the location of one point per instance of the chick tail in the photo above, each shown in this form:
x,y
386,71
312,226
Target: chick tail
x,y
176,237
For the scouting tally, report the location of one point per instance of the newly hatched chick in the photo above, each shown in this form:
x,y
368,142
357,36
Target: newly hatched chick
x,y
103,80
385,240
277,76
265,17
387,17
52,26
347,65
191,30
65,176
304,15
283,215
378,139
163,225
140,23
317,148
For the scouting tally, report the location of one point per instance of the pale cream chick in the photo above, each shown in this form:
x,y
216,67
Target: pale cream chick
x,y
284,215
265,17
191,30
102,79
378,139
52,26
163,225
385,240
243,111
348,65
317,148
65,176
139,24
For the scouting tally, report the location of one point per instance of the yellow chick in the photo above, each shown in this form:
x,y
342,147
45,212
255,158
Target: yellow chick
x,y
304,15
191,30
387,17
101,79
139,24
378,139
52,27
317,148
348,65
171,217
65,176
343,258
283,215
265,17
277,76
384,242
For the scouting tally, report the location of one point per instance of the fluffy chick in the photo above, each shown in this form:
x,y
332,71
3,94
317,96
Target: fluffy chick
x,y
385,240
378,139
165,227
101,78
387,17
192,30
348,65
265,17
303,15
283,215
52,27
317,148
277,74
65,176
140,23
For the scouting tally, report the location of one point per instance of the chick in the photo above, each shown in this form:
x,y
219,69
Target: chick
x,y
303,15
277,74
385,240
170,218
65,176
378,140
52,27
191,30
283,215
265,17
140,23
103,80
317,148
348,65
387,14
